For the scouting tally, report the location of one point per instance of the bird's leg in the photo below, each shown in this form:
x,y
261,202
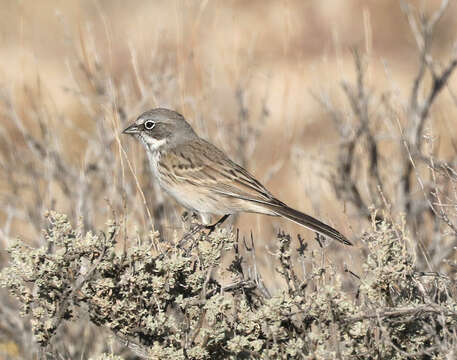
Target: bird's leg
x,y
212,227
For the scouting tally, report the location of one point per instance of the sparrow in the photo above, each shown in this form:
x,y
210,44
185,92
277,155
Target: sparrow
x,y
203,179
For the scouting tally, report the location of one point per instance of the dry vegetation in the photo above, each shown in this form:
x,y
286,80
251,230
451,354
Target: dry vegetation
x,y
367,124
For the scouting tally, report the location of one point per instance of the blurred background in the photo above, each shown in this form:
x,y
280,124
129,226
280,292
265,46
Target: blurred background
x,y
256,78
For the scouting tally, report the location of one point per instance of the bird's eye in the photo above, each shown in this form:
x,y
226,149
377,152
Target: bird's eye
x,y
149,124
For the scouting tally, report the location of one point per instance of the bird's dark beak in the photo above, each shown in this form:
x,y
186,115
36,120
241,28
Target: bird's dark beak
x,y
132,129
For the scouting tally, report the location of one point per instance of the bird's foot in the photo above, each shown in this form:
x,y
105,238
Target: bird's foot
x,y
213,227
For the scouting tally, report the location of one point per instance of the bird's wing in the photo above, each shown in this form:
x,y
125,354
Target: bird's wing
x,y
204,166
201,164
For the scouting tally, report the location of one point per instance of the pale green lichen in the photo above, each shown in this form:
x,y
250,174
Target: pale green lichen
x,y
170,307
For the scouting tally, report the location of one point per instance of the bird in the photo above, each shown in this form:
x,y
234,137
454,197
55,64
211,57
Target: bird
x,y
203,179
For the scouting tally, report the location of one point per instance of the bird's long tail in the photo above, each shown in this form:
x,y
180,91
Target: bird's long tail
x,y
310,223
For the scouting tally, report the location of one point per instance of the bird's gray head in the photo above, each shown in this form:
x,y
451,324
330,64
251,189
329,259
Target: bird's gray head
x,y
158,127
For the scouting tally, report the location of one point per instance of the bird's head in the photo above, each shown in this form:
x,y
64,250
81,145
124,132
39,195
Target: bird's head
x,y
158,127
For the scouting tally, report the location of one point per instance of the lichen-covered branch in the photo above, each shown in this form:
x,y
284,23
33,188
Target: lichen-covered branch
x,y
171,305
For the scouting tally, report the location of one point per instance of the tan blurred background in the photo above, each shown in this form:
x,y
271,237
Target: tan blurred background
x,y
216,61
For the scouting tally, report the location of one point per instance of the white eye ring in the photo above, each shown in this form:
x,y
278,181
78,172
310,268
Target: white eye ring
x,y
149,124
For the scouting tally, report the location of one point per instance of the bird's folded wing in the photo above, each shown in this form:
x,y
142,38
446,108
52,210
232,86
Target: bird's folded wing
x,y
208,167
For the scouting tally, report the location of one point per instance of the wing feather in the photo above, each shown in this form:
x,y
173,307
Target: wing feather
x,y
202,164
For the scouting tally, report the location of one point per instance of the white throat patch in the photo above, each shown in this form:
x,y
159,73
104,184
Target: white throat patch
x,y
151,143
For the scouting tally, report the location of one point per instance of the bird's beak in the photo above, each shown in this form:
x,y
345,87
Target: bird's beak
x,y
132,129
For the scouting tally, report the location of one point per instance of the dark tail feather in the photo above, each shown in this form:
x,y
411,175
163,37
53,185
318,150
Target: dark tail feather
x,y
310,223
